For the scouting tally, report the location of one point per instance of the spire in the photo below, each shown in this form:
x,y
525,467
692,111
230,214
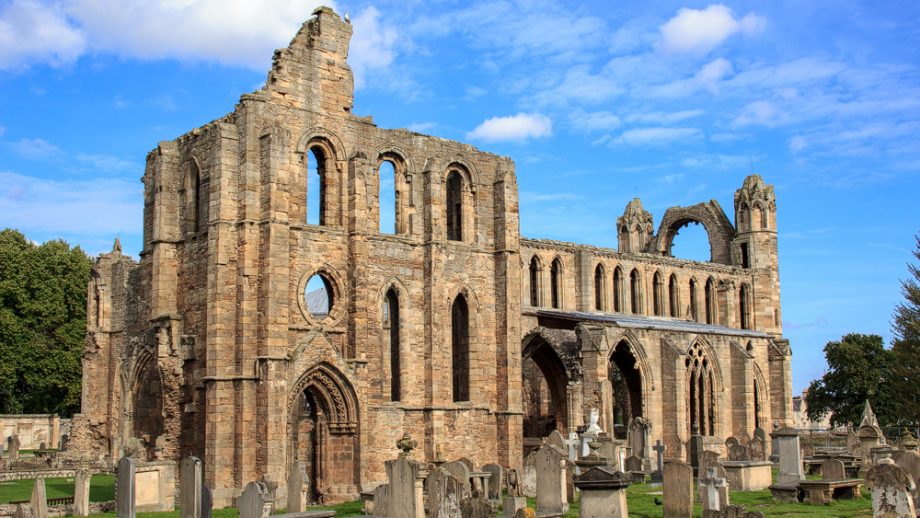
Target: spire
x,y
868,417
116,248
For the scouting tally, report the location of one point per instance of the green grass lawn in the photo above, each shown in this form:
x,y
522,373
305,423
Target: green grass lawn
x,y
640,497
101,489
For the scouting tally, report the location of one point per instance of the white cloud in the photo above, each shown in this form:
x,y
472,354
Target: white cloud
x,y
709,77
698,31
421,127
36,149
540,197
655,136
760,113
83,207
593,121
372,45
109,163
31,32
518,127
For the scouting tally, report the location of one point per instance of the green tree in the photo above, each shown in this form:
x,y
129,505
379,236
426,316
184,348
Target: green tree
x,y
906,344
42,324
858,370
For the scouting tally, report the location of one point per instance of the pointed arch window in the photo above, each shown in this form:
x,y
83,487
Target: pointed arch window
x,y
534,282
657,294
599,288
673,306
460,349
694,314
555,274
392,322
635,287
618,290
744,307
701,396
455,206
316,186
710,301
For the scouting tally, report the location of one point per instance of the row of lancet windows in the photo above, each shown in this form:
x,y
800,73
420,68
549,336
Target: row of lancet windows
x,y
389,189
628,298
459,346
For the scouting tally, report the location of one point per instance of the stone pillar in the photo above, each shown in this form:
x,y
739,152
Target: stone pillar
x,y
603,493
790,456
39,500
124,488
297,494
81,492
190,488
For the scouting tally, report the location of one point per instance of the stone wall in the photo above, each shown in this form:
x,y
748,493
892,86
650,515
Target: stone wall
x,y
33,429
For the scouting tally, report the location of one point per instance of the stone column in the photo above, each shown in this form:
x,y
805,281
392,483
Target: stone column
x,y
39,500
81,493
124,488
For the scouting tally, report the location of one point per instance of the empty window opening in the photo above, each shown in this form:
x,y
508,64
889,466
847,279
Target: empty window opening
x,y
744,307
710,302
693,310
599,288
534,282
673,307
391,320
319,296
634,289
745,260
460,349
657,290
386,198
691,241
555,275
618,290
763,219
193,194
455,206
316,186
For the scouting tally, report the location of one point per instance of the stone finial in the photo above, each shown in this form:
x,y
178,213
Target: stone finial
x,y
634,227
406,444
868,416
116,248
908,441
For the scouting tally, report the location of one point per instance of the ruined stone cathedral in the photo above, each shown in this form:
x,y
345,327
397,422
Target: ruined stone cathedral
x,y
454,328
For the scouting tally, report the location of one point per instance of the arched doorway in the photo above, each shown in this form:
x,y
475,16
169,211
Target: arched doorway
x,y
147,404
324,433
544,382
625,380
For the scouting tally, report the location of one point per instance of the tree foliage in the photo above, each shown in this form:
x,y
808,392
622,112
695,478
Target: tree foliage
x,y
906,344
42,324
858,369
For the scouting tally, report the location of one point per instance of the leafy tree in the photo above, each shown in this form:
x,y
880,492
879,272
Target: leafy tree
x,y
906,345
858,370
42,324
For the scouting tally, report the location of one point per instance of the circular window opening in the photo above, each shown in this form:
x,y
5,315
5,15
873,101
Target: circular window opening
x,y
319,296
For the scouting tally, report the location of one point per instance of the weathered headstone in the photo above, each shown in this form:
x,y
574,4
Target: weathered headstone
x,y
633,463
39,500
81,482
833,469
406,479
638,439
790,456
124,488
256,501
297,487
190,488
714,493
65,439
475,507
891,491
708,459
852,440
2,450
551,484
207,501
756,448
731,441
462,474
14,447
515,498
738,452
555,438
909,461
678,489
496,480
529,477
469,464
603,493
381,500
444,494
659,449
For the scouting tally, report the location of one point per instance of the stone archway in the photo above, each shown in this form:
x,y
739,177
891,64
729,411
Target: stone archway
x,y
544,389
625,378
146,404
323,433
719,229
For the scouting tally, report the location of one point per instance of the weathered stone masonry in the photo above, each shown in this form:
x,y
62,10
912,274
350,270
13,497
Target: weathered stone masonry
x,y
208,346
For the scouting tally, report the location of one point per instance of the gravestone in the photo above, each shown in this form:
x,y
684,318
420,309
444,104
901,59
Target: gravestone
x,y
444,494
42,446
659,449
190,488
381,500
551,484
529,478
738,452
556,439
474,507
515,498
256,501
909,461
731,441
678,489
756,448
14,447
496,481
39,500
790,456
81,482
207,501
124,488
297,487
833,469
406,477
64,440
469,464
714,493
603,493
638,440
633,464
891,491
460,472
709,459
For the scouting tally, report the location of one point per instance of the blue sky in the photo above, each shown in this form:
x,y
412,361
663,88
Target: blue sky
x,y
674,102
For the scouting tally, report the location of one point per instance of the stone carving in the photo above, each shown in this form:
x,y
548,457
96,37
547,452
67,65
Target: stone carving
x,y
891,491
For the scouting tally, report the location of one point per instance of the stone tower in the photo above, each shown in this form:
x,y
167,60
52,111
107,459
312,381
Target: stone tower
x,y
634,228
755,247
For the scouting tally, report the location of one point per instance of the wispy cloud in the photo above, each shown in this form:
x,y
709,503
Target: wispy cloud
x,y
515,128
656,136
540,197
37,149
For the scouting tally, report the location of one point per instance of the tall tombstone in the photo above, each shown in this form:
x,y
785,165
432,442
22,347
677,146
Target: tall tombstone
x,y
790,456
14,447
256,501
190,488
381,500
124,488
659,449
713,492
638,440
678,489
496,480
207,501
297,487
551,484
406,477
81,482
603,493
444,494
39,500
529,476
891,491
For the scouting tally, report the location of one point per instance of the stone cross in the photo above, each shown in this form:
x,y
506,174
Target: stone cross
x,y
710,487
659,453
81,492
124,488
571,445
190,488
39,500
